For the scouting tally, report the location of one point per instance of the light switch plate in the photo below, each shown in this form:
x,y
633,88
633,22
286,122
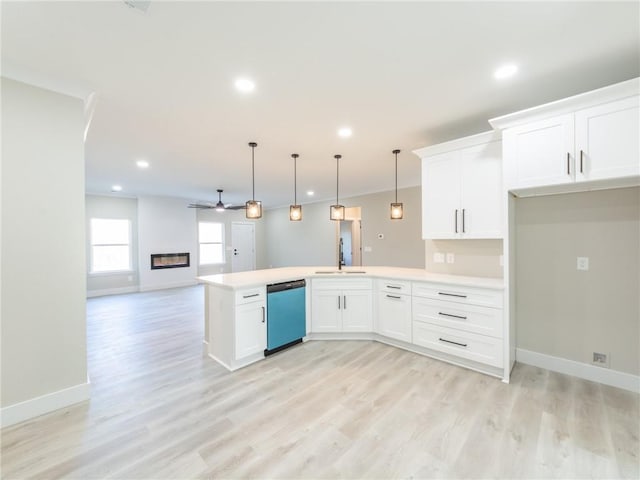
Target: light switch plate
x,y
583,263
368,249
451,258
438,257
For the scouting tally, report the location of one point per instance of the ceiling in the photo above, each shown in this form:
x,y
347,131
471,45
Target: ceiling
x,y
401,75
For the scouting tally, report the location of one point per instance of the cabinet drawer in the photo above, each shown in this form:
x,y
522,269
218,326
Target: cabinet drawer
x,y
249,295
470,318
341,284
478,348
460,294
394,286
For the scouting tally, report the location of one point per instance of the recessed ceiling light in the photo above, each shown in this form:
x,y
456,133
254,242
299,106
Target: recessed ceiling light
x,y
245,85
505,71
116,188
345,132
142,164
311,193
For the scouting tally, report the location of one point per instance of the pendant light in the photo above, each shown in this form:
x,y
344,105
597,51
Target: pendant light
x,y
254,208
295,210
336,212
396,208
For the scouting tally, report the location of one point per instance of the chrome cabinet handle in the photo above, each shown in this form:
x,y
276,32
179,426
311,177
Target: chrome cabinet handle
x,y
263,314
252,295
338,302
581,159
463,220
452,295
397,297
394,286
568,170
450,341
456,220
452,315
344,303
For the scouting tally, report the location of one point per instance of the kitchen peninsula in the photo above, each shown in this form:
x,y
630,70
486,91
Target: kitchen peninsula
x,y
457,319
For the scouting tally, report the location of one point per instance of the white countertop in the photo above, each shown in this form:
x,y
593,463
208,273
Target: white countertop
x,y
275,275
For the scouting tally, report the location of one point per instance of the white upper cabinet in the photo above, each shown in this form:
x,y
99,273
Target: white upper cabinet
x,y
582,142
607,140
461,188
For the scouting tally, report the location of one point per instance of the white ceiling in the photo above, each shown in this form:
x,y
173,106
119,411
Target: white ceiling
x,y
402,75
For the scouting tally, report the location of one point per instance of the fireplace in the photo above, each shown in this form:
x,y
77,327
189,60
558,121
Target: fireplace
x,y
169,260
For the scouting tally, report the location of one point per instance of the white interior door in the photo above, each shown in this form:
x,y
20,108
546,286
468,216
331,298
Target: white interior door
x,y
243,242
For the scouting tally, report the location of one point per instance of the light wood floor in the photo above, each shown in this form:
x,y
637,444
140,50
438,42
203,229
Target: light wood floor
x,y
161,409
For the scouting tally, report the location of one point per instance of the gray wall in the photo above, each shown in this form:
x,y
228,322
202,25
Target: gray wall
x,y
99,206
569,313
313,241
43,240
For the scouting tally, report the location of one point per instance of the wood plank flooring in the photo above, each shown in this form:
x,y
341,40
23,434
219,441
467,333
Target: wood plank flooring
x,y
160,408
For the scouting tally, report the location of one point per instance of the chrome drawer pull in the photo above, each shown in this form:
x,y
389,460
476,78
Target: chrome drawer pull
x,y
397,297
263,315
455,343
249,296
452,295
451,315
394,286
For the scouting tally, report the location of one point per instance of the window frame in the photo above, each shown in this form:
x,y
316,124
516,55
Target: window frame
x,y
221,243
129,245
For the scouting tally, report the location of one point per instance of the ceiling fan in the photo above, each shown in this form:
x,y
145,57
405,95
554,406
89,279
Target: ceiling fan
x,y
219,207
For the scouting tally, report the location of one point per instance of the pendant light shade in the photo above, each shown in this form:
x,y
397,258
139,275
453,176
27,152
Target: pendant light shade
x,y
295,210
397,209
336,212
254,207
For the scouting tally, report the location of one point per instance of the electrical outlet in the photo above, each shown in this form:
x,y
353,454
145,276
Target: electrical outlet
x,y
583,263
451,258
438,257
600,359
368,249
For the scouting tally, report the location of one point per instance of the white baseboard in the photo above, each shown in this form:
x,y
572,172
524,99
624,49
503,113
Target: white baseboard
x,y
35,407
164,286
111,291
606,376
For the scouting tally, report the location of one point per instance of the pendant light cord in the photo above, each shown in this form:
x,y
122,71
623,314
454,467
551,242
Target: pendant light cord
x,y
396,152
295,180
253,175
337,157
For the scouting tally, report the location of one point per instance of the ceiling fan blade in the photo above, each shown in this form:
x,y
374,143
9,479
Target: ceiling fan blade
x,y
235,207
199,205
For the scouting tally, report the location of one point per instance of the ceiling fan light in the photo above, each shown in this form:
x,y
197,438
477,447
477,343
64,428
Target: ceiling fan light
x,y
336,212
254,209
396,211
295,213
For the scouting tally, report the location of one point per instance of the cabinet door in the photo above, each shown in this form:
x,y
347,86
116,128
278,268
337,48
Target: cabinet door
x,y
607,140
357,311
251,329
481,188
440,196
326,311
539,153
394,316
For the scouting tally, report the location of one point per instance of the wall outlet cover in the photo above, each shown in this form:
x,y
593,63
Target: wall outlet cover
x,y
451,258
583,263
601,359
368,249
438,257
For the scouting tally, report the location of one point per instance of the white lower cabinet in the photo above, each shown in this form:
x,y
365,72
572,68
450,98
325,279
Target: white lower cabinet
x,y
341,305
466,322
393,312
251,329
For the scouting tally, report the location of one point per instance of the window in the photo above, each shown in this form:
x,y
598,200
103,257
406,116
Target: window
x,y
211,238
110,245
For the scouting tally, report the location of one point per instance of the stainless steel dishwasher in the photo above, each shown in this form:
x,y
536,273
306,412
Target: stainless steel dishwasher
x,y
286,315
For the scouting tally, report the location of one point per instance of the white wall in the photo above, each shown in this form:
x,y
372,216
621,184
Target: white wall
x,y
99,206
44,363
166,225
477,258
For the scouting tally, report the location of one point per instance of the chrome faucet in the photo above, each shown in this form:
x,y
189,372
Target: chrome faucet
x,y
340,254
